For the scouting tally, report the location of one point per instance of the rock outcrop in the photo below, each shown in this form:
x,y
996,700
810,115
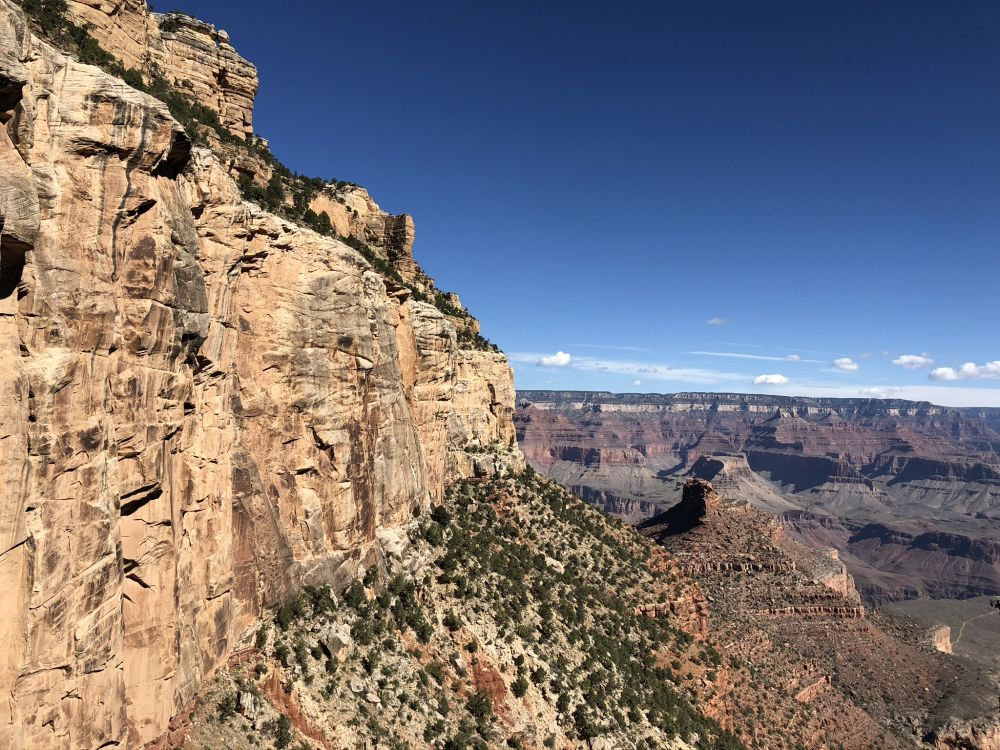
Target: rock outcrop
x,y
788,619
204,405
191,54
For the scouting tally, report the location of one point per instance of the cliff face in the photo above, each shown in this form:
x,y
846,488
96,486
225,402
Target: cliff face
x,y
204,406
192,55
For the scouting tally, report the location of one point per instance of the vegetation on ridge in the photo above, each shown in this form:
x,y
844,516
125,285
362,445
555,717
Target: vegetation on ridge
x,y
507,635
286,193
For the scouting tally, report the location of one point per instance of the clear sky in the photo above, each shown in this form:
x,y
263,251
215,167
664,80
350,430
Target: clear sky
x,y
676,195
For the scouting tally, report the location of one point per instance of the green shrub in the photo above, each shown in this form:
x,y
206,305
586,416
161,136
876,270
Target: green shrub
x,y
520,687
282,730
440,515
479,705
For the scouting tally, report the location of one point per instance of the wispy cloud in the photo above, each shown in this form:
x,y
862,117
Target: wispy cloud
x,y
944,395
878,392
559,359
968,371
744,355
636,382
913,361
807,351
649,371
775,379
659,372
846,364
613,348
716,322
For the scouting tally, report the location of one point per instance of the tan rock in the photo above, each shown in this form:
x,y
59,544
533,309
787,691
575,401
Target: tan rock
x,y
198,58
192,55
203,406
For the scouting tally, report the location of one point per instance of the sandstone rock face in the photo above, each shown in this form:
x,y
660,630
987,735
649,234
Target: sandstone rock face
x,y
192,55
196,57
203,406
354,213
122,27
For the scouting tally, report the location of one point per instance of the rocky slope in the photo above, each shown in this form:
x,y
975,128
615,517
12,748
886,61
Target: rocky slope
x,y
836,675
491,630
908,492
496,628
204,405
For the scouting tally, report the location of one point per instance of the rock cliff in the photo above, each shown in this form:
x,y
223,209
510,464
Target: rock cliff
x,y
192,55
204,405
790,618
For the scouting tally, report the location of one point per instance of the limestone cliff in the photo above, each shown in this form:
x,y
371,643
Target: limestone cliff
x,y
203,405
192,55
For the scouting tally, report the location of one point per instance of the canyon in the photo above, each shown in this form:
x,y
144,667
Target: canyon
x,y
791,618
262,480
907,492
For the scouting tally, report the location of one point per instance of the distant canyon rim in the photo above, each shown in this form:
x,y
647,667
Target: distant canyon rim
x,y
907,492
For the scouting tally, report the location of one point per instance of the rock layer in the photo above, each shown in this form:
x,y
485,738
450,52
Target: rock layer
x,y
203,406
908,492
868,681
192,55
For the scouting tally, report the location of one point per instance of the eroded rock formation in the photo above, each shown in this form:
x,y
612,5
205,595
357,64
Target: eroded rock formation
x,y
203,405
787,619
907,492
192,55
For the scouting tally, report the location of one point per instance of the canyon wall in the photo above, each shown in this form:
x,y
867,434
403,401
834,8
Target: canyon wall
x,y
192,55
838,675
908,492
203,405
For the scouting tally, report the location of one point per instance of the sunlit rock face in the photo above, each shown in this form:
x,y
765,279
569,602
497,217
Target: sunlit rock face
x,y
192,55
203,406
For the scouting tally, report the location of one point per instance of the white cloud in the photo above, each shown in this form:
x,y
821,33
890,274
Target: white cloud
x,y
658,372
614,348
913,361
968,371
943,395
559,359
636,382
716,322
649,370
775,379
846,363
794,358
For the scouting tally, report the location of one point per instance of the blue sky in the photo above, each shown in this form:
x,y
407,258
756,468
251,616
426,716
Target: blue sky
x,y
819,181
